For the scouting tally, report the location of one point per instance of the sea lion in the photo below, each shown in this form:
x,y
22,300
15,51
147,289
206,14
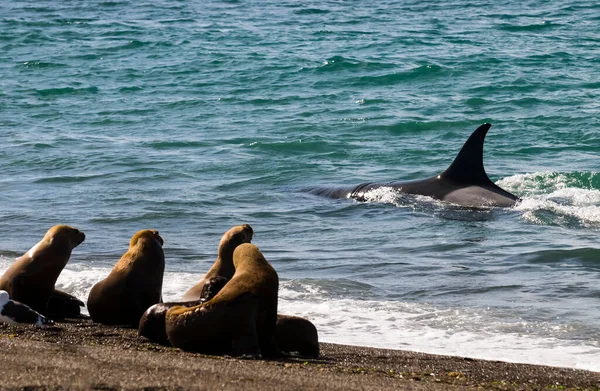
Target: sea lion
x,y
223,266
14,312
240,319
30,280
64,305
152,323
296,334
133,285
293,334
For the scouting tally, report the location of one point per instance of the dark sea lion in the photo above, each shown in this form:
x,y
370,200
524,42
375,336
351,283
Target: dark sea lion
x,y
31,279
133,285
240,319
152,323
14,312
296,334
64,305
223,266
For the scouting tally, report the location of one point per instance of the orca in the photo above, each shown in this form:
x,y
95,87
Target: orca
x,y
464,182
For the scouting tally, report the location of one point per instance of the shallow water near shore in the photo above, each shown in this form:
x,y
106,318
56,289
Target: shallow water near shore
x,y
193,117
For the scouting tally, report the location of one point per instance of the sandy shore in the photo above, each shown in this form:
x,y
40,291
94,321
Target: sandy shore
x,y
78,354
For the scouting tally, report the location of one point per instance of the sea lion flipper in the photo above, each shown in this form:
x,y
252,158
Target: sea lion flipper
x,y
246,346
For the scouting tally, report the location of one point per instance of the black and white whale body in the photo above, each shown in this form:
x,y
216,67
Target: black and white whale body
x,y
464,183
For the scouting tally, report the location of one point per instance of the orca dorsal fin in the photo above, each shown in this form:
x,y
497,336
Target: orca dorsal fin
x,y
467,167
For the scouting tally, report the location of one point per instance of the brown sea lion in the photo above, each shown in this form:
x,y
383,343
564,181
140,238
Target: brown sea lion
x,y
133,285
240,319
223,266
30,280
152,323
296,334
293,334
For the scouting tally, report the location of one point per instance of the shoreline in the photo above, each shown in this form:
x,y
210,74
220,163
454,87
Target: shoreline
x,y
469,356
79,354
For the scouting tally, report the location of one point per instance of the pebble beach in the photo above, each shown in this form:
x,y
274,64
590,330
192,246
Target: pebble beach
x,y
79,354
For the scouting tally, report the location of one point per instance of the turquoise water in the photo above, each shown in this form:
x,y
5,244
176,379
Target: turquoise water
x,y
191,117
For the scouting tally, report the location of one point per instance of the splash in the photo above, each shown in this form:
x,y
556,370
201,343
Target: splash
x,y
551,198
390,195
540,183
385,195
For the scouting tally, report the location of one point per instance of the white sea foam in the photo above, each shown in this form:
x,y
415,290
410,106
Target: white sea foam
x,y
176,284
579,204
425,328
386,195
389,195
540,183
554,194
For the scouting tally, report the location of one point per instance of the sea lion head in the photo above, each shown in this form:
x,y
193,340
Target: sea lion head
x,y
64,235
234,237
145,248
146,236
223,266
249,254
254,272
60,239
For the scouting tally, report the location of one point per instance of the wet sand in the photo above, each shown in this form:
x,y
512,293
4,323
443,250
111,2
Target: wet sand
x,y
78,354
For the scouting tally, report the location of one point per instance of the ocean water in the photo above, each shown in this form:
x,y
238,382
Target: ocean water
x,y
191,117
